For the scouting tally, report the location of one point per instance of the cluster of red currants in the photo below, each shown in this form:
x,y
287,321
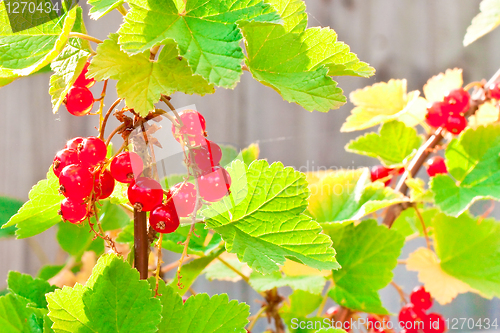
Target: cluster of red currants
x,y
413,317
450,113
79,99
381,172
81,176
204,156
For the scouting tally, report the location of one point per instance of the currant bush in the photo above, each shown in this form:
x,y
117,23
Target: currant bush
x,y
82,81
64,158
73,211
215,185
436,165
93,152
194,127
104,184
164,219
184,198
145,193
76,182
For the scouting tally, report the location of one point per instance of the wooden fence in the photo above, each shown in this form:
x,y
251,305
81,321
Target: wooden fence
x,y
412,39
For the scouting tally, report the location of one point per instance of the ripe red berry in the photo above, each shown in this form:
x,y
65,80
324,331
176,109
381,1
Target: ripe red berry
x,y
64,158
421,298
207,156
434,323
76,182
184,198
409,314
79,101
193,125
73,211
456,124
126,166
145,192
93,151
82,81
436,166
74,143
164,219
458,99
379,172
437,114
104,184
494,89
215,185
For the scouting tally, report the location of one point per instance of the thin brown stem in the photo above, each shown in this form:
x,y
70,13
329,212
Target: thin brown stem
x,y
158,264
106,117
183,255
234,269
400,291
424,228
116,130
84,36
256,318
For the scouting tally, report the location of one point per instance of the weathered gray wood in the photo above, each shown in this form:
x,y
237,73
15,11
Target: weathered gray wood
x,y
400,38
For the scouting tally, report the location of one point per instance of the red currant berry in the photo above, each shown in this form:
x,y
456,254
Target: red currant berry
x,y
126,166
76,182
437,114
73,211
193,125
74,143
434,323
494,89
456,124
164,219
207,156
458,99
184,198
82,81
64,158
79,101
104,184
420,297
409,314
93,151
215,185
146,193
379,172
436,166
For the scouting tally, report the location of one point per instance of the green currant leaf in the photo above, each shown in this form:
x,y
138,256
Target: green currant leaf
x,y
408,223
348,195
293,13
17,317
289,72
111,216
103,7
468,250
8,208
206,33
251,153
484,22
74,239
29,50
49,271
393,146
368,253
113,300
172,241
200,313
311,283
302,303
67,310
26,286
68,65
190,272
474,161
142,81
40,212
264,224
